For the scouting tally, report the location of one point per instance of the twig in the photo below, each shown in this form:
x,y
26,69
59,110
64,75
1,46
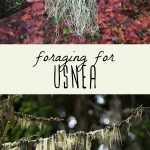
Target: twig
x,y
39,119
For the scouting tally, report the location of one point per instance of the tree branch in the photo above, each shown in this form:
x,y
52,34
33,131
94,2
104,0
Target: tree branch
x,y
82,139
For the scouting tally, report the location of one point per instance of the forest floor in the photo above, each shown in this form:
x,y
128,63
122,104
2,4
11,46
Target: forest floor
x,y
120,21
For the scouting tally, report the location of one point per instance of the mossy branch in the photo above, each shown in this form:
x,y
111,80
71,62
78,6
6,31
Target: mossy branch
x,y
29,120
9,116
82,140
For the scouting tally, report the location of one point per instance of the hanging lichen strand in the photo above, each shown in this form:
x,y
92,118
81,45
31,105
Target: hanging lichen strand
x,y
80,140
79,15
27,121
9,118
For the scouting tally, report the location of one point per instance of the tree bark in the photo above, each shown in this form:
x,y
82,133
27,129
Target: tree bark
x,y
6,114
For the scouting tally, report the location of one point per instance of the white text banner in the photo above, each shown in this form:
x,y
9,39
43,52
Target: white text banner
x,y
74,69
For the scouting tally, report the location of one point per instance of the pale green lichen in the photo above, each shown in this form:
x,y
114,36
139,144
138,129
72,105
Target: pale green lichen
x,y
81,140
79,15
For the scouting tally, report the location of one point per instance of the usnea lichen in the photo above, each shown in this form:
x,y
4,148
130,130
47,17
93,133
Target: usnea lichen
x,y
137,114
79,15
27,121
81,140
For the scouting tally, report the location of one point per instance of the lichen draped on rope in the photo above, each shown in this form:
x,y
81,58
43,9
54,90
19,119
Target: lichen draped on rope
x,y
79,15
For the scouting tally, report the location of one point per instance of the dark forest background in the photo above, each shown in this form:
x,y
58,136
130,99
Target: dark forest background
x,y
86,113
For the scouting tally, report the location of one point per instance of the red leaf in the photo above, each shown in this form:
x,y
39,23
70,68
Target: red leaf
x,y
25,17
